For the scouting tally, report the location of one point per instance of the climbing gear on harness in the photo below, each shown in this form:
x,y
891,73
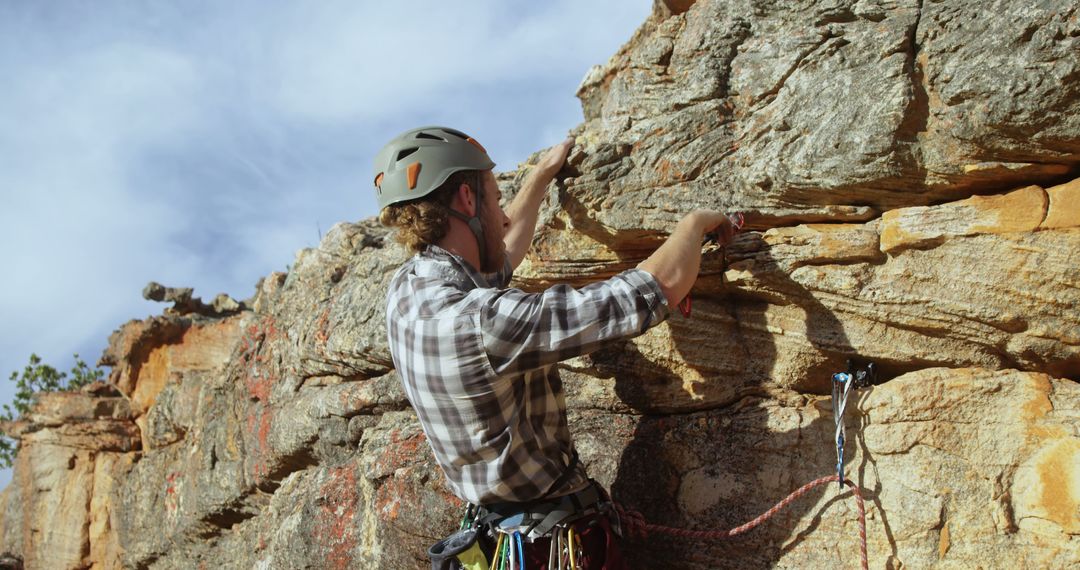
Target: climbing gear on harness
x,y
512,557
496,560
571,549
537,518
737,221
499,531
462,547
565,550
842,385
418,161
520,550
555,552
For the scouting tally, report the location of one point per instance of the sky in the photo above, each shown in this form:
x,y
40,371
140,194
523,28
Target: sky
x,y
203,143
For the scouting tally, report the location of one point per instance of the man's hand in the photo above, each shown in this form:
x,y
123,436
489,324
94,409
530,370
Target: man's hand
x,y
554,159
676,263
526,205
718,224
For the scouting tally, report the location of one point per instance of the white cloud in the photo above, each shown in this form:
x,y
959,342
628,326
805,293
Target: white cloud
x,y
70,132
203,145
364,62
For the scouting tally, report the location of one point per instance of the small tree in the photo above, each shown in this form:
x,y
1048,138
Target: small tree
x,y
38,377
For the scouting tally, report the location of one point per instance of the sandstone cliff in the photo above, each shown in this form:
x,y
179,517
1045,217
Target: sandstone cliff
x,y
908,170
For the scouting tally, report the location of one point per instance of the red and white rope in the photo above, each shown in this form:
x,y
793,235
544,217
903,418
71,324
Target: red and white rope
x,y
635,523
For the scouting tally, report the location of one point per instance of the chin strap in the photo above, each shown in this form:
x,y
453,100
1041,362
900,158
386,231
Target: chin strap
x,y
474,223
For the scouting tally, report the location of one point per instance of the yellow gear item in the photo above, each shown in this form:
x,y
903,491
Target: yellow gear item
x,y
572,550
473,558
498,550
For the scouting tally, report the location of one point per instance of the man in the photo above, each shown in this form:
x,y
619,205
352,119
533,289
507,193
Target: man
x,y
478,359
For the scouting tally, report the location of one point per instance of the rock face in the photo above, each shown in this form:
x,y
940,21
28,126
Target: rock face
x,y
908,171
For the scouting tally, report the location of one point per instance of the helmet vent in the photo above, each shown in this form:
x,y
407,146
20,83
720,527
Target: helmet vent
x,y
457,134
406,152
423,135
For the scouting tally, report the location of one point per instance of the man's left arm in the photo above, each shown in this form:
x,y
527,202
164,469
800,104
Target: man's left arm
x,y
525,208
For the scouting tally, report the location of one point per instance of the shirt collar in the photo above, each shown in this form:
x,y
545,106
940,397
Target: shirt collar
x,y
459,266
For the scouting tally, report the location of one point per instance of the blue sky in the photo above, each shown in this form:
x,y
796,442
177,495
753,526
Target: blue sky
x,y
202,143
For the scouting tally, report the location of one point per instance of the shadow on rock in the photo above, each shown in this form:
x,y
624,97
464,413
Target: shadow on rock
x,y
719,467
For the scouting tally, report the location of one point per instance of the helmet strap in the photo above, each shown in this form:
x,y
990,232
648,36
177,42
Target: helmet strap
x,y
474,223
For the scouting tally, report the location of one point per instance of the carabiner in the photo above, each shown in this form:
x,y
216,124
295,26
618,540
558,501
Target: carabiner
x,y
841,389
520,550
562,545
469,518
553,551
511,557
572,550
497,558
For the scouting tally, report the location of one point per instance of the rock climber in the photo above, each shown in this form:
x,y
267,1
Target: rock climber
x,y
478,357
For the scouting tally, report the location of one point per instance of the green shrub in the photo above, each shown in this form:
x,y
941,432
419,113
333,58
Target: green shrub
x,y
38,377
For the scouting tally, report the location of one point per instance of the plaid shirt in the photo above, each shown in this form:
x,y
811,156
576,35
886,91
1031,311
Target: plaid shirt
x,y
478,364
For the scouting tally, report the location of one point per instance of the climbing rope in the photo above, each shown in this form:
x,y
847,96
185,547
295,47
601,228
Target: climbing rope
x,y
634,523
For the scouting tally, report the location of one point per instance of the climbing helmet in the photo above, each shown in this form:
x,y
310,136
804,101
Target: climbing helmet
x,y
418,161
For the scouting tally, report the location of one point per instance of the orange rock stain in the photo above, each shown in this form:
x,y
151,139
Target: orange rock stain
x,y
1059,473
259,425
335,525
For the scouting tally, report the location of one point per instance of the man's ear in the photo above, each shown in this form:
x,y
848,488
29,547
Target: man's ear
x,y
467,199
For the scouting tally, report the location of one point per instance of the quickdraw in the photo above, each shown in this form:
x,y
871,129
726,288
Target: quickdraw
x,y
737,222
565,552
842,385
509,549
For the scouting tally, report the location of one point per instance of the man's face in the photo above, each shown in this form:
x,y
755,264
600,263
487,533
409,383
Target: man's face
x,y
495,221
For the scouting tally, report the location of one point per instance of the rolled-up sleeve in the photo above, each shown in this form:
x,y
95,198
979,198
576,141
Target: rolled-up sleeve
x,y
524,331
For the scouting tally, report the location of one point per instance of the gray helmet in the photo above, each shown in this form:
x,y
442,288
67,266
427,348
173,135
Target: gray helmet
x,y
418,161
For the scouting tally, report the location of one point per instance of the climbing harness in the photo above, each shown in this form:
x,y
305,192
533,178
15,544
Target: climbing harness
x,y
737,221
493,537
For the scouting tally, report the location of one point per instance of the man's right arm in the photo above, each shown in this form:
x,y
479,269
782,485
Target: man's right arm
x,y
524,331
676,263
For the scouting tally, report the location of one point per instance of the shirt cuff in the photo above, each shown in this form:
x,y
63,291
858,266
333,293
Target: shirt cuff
x,y
649,288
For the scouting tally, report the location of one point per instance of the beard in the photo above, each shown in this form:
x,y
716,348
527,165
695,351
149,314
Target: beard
x,y
495,254
494,257
495,248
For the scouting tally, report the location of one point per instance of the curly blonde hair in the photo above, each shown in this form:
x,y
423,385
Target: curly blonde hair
x,y
425,221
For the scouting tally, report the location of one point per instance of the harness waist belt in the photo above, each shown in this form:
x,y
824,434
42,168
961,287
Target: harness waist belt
x,y
536,519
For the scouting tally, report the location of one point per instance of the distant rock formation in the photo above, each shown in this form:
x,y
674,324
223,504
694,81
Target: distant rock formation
x,y
184,303
908,172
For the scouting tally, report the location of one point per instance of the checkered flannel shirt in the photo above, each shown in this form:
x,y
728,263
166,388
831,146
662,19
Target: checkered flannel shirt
x,y
478,364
